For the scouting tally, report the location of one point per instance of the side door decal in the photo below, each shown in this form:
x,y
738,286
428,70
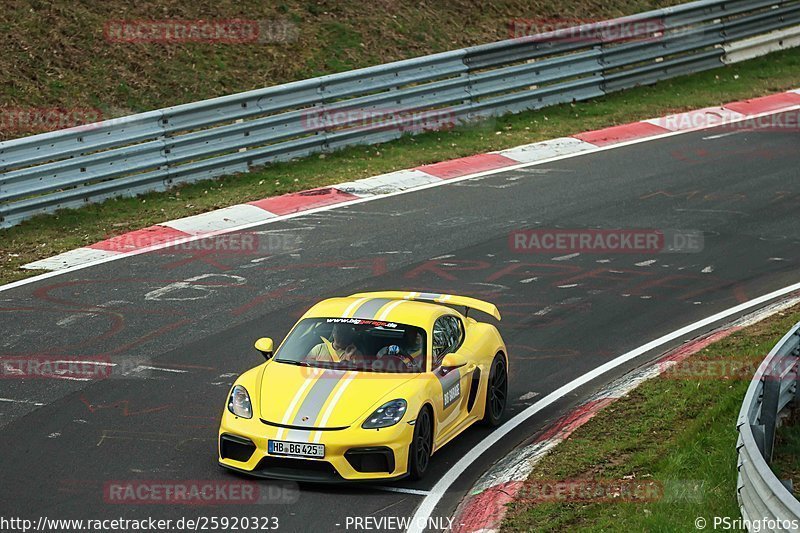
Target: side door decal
x,y
451,387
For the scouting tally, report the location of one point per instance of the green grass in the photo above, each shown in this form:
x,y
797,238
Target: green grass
x,y
48,235
678,433
786,454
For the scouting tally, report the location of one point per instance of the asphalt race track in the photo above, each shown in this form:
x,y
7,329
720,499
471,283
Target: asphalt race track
x,y
179,325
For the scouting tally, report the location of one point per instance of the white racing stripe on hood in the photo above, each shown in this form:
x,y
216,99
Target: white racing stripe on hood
x,y
333,403
352,306
389,309
313,403
288,414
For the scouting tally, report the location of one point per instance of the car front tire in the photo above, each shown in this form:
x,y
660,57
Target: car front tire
x,y
496,392
419,453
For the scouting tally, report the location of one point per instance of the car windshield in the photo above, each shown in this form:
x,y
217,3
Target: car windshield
x,y
356,344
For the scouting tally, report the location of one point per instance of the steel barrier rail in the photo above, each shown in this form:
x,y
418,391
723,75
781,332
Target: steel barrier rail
x,y
155,150
762,497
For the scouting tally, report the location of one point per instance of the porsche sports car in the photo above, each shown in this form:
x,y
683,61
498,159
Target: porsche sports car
x,y
366,387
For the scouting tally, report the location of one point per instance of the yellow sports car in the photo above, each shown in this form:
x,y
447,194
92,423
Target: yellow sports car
x,y
366,387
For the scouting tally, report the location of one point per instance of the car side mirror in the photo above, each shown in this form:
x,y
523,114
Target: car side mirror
x,y
265,346
453,361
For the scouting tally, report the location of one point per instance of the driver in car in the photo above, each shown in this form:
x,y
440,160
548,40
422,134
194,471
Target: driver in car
x,y
343,345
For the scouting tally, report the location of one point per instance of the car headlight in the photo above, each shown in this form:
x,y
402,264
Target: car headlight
x,y
386,415
239,402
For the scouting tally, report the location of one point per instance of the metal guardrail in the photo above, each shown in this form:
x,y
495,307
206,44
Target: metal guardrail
x,y
155,150
762,497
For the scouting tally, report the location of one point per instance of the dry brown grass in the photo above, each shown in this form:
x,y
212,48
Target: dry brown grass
x,y
56,54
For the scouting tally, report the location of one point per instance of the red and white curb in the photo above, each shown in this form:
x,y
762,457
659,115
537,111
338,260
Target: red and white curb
x,y
252,213
485,506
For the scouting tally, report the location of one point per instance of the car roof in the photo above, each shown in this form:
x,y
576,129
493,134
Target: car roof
x,y
414,313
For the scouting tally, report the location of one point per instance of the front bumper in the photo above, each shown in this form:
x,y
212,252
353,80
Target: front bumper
x,y
351,454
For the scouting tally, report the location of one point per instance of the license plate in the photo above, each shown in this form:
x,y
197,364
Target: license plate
x,y
296,449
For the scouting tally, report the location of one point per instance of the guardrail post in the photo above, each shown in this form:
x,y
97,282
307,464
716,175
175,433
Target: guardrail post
x,y
769,411
758,436
796,355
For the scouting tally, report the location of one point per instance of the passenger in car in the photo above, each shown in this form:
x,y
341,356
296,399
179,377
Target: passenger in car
x,y
410,346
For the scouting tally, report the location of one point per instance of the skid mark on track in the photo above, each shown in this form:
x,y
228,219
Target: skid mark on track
x,y
124,406
139,436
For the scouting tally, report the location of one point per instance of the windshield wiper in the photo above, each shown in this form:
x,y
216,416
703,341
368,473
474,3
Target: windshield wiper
x,y
291,362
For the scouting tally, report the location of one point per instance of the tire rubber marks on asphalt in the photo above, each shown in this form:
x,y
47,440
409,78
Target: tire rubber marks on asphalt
x,y
139,436
124,405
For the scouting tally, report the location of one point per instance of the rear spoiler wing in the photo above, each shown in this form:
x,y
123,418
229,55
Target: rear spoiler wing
x,y
448,299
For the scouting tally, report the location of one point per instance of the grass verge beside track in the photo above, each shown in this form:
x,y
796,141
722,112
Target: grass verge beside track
x,y
786,454
48,235
677,433
68,54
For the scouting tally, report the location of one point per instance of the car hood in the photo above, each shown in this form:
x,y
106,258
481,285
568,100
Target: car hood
x,y
314,397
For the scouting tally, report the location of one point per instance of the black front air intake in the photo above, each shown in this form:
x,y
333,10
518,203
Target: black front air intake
x,y
371,460
236,448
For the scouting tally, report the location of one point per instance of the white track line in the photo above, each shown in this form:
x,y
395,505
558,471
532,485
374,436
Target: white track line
x,y
439,183
403,490
159,369
428,505
9,400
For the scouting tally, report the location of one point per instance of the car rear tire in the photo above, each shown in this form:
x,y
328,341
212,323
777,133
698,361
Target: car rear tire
x,y
419,453
496,392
